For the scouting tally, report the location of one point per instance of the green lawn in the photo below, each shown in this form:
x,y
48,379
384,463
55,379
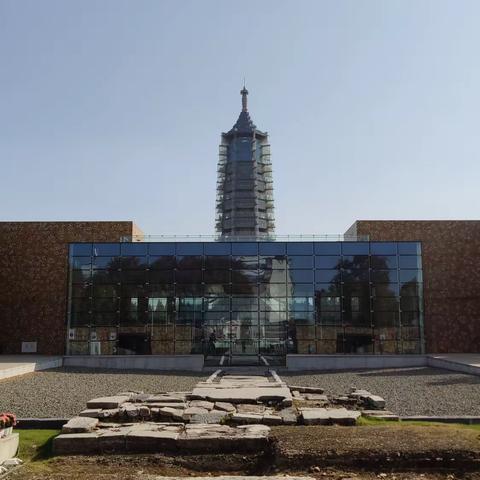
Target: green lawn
x,y
36,444
372,421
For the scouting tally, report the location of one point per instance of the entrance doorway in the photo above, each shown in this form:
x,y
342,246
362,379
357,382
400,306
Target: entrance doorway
x,y
243,340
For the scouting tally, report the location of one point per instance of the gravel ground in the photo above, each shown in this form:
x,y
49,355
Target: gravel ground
x,y
63,392
407,391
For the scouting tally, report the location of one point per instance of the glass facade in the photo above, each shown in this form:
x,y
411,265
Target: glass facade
x,y
240,302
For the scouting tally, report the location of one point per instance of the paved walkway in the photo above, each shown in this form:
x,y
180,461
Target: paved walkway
x,y
459,362
243,388
13,365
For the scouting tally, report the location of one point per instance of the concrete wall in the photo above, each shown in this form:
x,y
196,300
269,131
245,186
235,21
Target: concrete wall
x,y
352,362
34,275
451,277
142,362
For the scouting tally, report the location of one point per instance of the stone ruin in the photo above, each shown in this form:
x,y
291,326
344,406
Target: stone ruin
x,y
225,413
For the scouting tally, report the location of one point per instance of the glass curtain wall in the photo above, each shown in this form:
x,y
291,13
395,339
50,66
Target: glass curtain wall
x,y
233,300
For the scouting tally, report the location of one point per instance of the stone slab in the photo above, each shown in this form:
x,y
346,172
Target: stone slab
x,y
250,408
243,394
225,406
108,402
170,412
243,418
202,404
289,416
139,440
80,425
270,419
211,417
302,389
316,397
327,416
73,443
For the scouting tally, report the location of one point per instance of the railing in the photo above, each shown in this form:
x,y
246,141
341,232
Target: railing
x,y
246,238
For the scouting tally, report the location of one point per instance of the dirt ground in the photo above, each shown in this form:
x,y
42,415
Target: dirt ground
x,y
330,453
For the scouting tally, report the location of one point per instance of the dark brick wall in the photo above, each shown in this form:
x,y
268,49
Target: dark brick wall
x,y
33,278
451,271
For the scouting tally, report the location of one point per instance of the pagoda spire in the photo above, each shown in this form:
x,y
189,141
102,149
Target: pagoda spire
x,y
244,93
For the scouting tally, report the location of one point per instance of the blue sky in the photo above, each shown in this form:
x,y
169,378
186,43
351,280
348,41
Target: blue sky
x,y
112,110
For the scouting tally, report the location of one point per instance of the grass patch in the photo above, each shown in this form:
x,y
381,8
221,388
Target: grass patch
x,y
372,421
36,445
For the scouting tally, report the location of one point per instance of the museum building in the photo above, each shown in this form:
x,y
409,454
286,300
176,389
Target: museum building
x,y
104,289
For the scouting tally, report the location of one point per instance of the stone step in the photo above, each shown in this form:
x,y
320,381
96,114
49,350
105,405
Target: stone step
x,y
157,438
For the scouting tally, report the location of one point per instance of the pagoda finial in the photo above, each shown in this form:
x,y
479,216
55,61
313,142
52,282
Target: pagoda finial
x,y
244,93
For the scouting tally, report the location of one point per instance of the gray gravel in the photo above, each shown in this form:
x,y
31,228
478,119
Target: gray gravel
x,y
63,392
407,391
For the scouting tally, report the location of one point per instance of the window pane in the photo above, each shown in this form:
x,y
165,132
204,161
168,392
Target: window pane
x,y
134,248
192,248
300,248
302,290
245,303
300,261
355,276
409,248
385,289
328,288
81,249
217,304
244,289
106,249
355,262
300,304
410,276
410,262
360,289
244,248
383,248
383,262
411,289
217,248
272,276
81,263
300,276
272,248
107,262
217,262
244,276
244,262
188,276
217,290
216,276
355,248
327,248
273,290
273,304
161,262
328,304
385,304
328,261
384,276
385,319
192,290
410,304
160,276
161,249
187,262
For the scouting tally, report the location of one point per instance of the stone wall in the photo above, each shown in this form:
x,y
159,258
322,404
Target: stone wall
x,y
451,272
33,278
